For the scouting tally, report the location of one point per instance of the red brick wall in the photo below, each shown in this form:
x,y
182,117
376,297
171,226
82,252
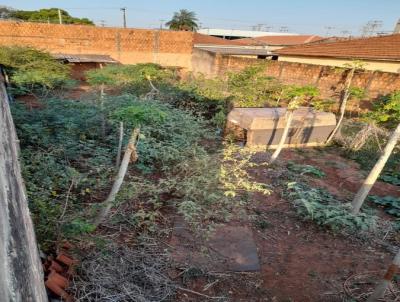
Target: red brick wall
x,y
329,80
129,46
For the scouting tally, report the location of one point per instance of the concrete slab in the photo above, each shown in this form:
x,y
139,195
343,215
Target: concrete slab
x,y
229,248
264,126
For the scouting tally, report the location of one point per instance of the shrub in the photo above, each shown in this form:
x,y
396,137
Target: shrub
x,y
132,79
305,170
252,88
65,161
324,209
33,71
386,111
391,204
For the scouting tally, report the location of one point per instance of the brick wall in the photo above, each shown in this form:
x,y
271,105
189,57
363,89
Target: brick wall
x,y
329,80
129,46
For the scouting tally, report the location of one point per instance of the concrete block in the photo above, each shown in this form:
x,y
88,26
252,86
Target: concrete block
x,y
264,126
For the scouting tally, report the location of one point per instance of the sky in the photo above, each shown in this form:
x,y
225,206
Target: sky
x,y
322,17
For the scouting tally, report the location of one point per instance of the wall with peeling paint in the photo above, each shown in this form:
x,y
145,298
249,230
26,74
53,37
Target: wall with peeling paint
x,y
21,275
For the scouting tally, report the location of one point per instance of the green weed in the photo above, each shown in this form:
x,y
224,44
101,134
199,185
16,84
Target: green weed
x,y
324,209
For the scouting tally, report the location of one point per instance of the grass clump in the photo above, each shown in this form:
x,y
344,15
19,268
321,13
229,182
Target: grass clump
x,y
305,170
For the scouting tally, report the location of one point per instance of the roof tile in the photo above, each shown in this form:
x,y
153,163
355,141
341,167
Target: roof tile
x,y
378,48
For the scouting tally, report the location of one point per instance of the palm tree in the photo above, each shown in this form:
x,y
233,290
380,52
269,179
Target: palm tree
x,y
183,20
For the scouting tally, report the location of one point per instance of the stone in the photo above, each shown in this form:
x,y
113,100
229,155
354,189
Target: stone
x,y
229,248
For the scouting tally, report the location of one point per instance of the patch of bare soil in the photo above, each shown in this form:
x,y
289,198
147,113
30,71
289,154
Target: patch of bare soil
x,y
299,261
343,176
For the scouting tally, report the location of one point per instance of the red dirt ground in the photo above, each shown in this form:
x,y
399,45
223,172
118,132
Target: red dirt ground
x,y
300,261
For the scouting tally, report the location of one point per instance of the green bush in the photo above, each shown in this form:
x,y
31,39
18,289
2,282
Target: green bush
x,y
252,88
65,160
305,170
324,209
386,110
33,71
391,204
133,79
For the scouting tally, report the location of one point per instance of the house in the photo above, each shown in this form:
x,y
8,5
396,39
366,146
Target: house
x,y
261,47
378,53
278,42
232,34
221,46
80,63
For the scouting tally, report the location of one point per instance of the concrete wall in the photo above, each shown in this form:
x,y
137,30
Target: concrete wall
x,y
21,275
203,62
129,46
385,66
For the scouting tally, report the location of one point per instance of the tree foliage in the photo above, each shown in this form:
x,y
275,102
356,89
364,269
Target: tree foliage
x,y
32,70
252,88
386,110
183,20
48,15
131,78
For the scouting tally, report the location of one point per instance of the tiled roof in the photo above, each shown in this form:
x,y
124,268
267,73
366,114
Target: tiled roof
x,y
280,40
210,40
375,48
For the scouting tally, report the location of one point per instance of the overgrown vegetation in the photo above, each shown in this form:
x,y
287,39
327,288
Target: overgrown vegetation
x,y
184,167
67,160
32,71
324,209
305,170
390,204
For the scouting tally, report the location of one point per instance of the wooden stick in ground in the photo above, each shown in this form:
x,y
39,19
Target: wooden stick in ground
x,y
375,172
108,203
380,290
121,137
343,104
289,118
103,119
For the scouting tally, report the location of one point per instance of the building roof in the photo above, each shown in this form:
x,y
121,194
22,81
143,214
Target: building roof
x,y
84,58
373,48
237,51
280,40
240,33
210,40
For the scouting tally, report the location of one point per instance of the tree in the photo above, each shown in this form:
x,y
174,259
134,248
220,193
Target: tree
x,y
380,290
345,96
5,12
296,95
48,15
134,116
293,105
375,172
129,77
33,71
183,20
129,156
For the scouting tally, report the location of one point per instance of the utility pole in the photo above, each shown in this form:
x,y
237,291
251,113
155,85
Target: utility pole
x,y
59,16
123,9
161,23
